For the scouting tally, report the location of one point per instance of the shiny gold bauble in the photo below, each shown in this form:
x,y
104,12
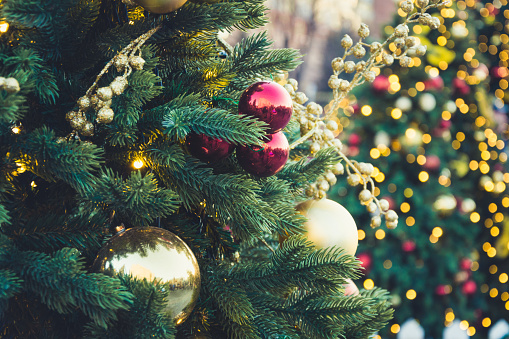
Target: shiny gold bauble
x,y
160,6
329,224
157,255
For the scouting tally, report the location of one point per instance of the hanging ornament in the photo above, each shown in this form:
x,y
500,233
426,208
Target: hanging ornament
x,y
465,264
381,84
469,287
445,204
403,103
366,261
265,160
158,255
382,138
269,102
354,139
450,106
434,84
408,246
443,290
432,163
329,224
160,6
351,288
427,102
481,72
207,148
460,87
468,206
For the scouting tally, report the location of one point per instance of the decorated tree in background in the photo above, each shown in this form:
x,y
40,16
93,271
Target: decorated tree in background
x,y
440,164
147,177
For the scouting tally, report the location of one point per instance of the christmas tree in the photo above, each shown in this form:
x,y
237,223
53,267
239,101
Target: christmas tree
x,y
439,156
124,213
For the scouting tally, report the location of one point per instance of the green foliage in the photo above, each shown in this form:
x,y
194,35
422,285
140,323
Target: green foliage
x,y
144,318
61,282
302,172
71,161
217,123
137,200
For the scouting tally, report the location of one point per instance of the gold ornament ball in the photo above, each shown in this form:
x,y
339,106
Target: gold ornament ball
x,y
155,254
160,6
329,224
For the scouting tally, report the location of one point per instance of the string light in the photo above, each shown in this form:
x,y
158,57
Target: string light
x,y
137,164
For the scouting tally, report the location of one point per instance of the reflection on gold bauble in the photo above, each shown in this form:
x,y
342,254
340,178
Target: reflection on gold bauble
x,y
445,204
158,255
161,6
329,224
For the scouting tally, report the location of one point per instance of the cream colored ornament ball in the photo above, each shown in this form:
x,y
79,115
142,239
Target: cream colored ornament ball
x,y
160,6
329,224
156,255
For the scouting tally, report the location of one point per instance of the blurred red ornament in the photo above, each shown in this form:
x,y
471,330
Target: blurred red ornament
x,y
206,148
265,160
356,108
434,84
465,264
408,246
365,259
441,290
460,86
381,84
269,102
445,124
351,288
500,72
353,151
469,287
354,139
432,163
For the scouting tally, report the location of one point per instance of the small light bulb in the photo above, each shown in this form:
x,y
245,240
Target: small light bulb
x,y
138,164
4,26
16,130
33,184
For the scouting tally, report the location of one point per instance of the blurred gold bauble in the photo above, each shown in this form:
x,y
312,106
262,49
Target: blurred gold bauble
x,y
157,255
160,6
329,224
445,204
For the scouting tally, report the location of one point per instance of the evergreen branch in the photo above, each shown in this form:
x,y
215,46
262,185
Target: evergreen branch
x,y
381,311
217,123
230,299
137,200
164,153
303,172
71,161
63,284
10,285
144,317
4,216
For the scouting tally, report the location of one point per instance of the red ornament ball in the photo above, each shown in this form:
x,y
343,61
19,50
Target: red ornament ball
x,y
460,86
408,246
469,287
269,102
207,148
381,84
434,84
265,160
366,261
432,163
465,264
354,139
441,290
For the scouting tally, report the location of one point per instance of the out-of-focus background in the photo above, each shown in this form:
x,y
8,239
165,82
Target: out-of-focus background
x,y
436,133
